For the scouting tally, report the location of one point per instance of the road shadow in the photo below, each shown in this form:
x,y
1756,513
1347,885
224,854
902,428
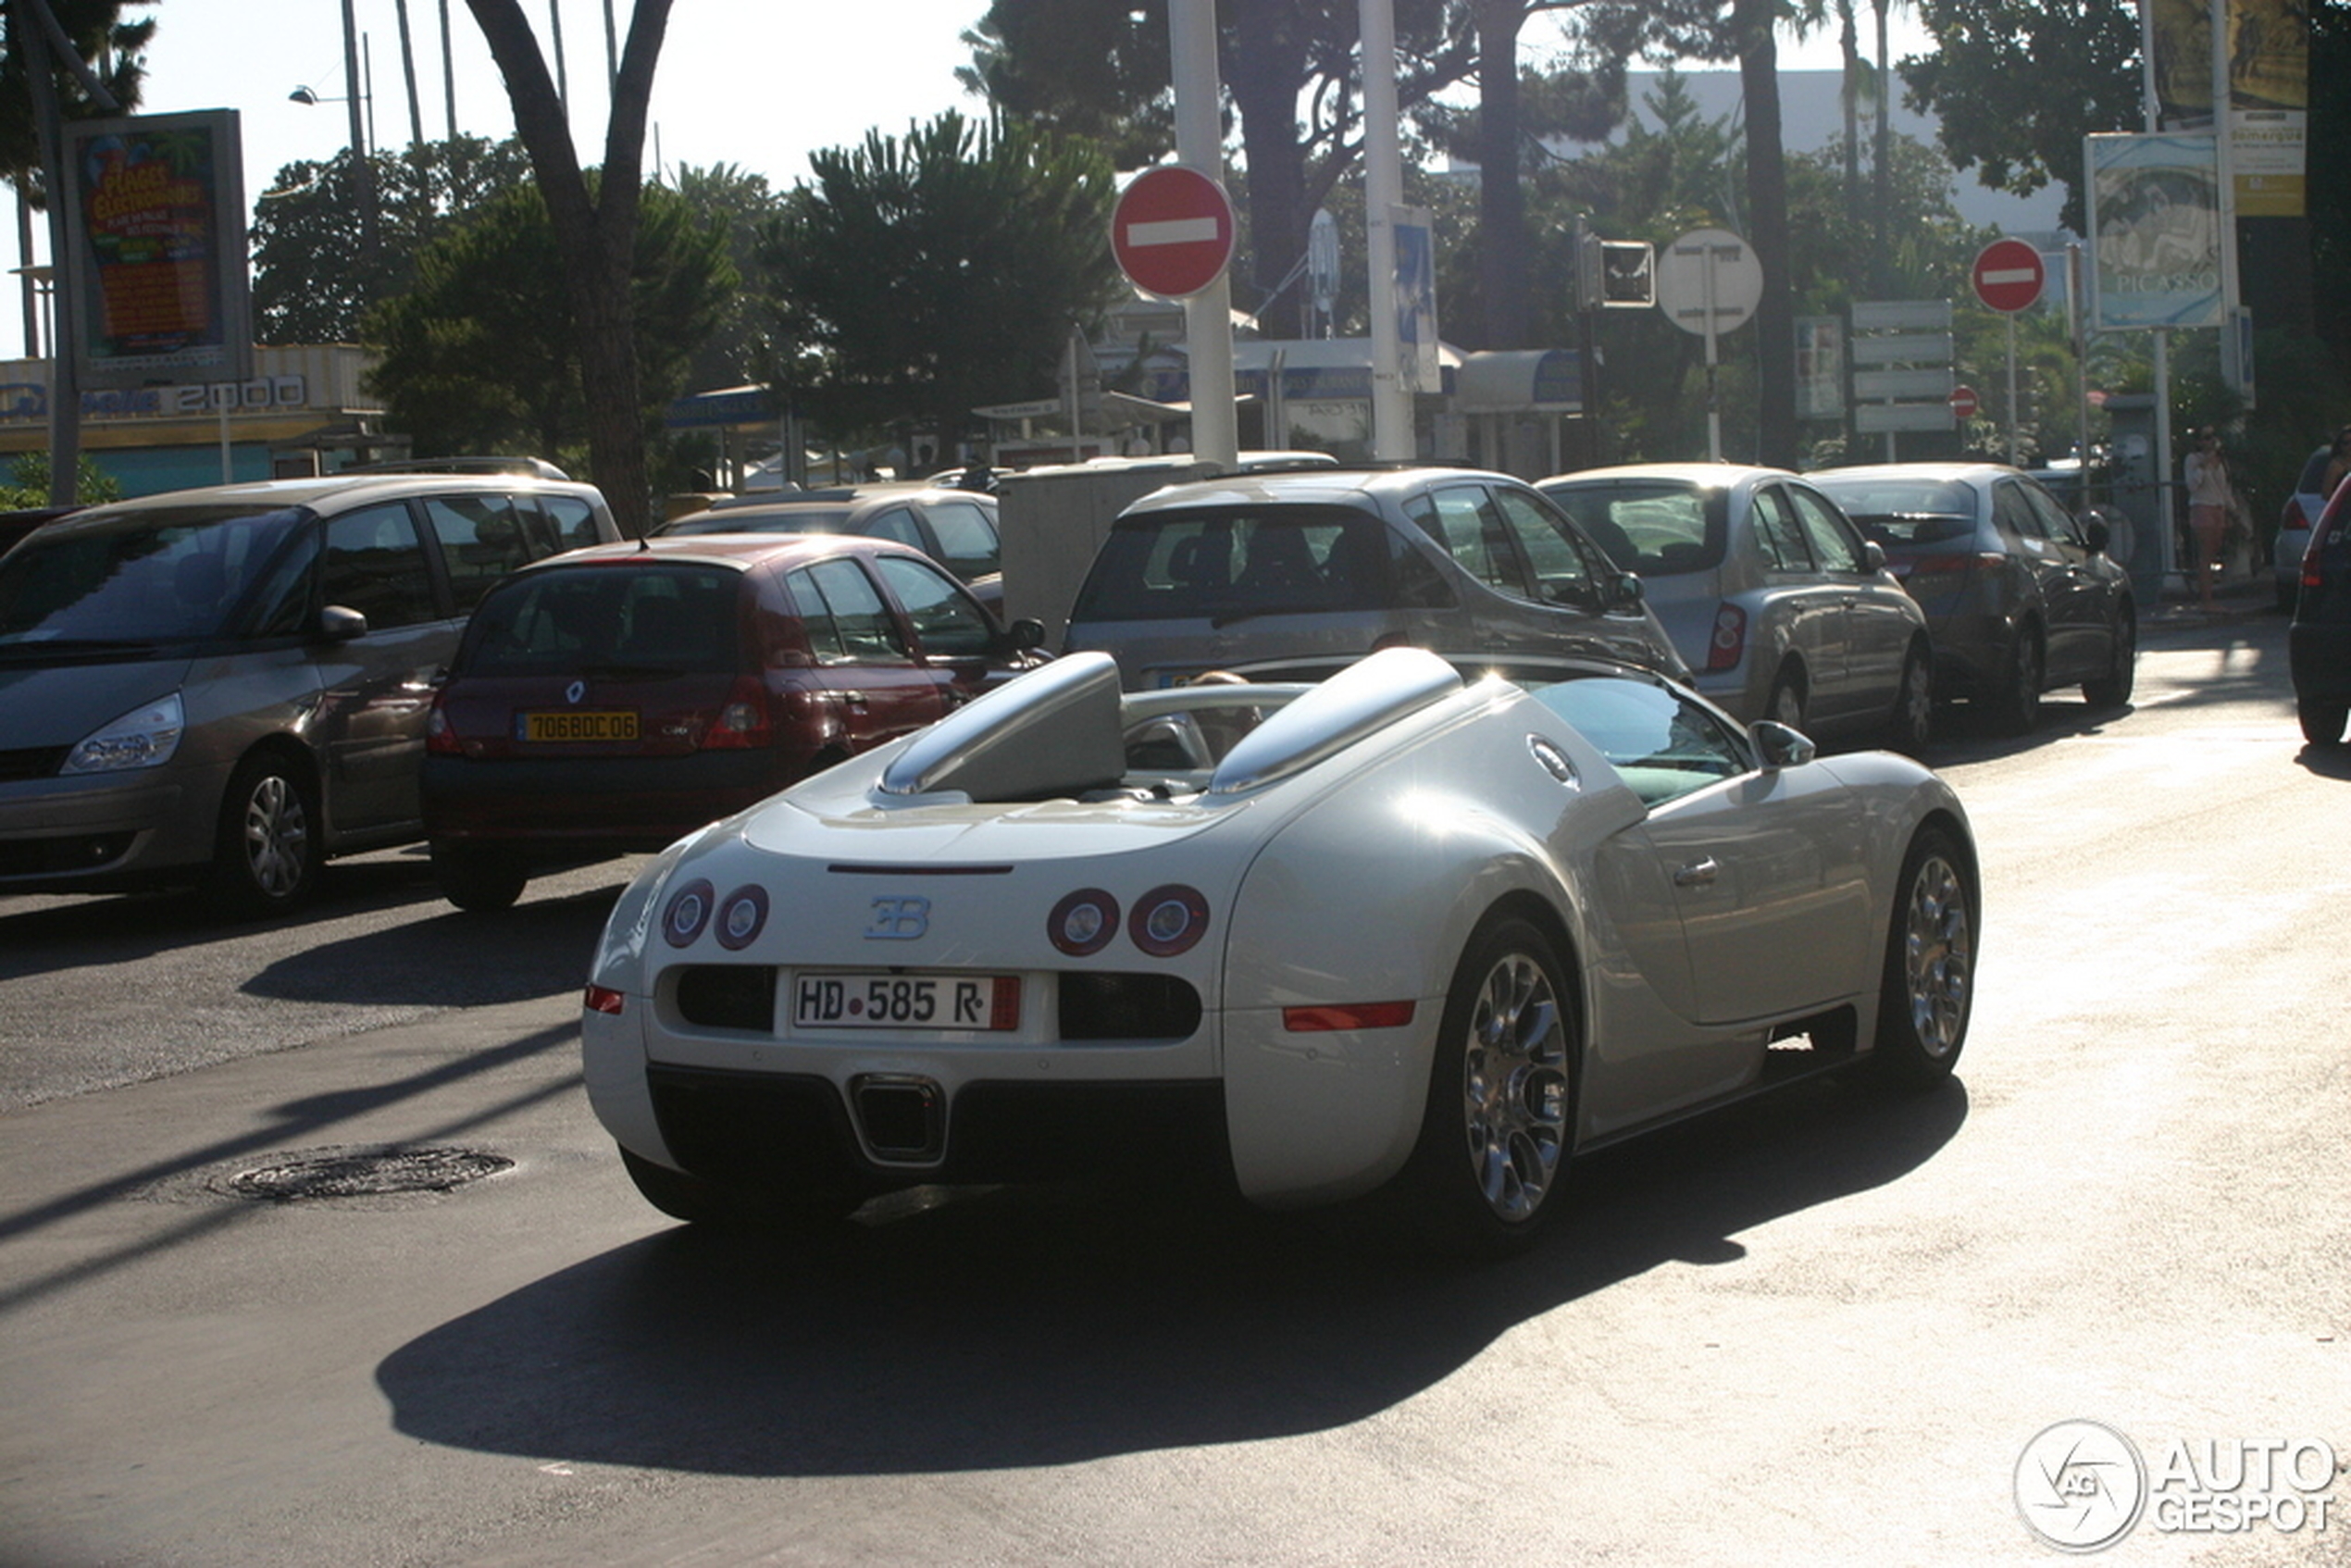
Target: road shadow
x,y
1016,1328
541,947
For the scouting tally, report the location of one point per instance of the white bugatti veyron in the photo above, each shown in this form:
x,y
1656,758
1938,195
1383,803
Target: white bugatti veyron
x,y
1417,931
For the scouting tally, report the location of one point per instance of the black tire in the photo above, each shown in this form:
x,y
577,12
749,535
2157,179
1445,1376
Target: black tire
x,y
1786,704
266,852
1911,723
1928,986
2017,706
1498,1124
699,1202
2113,688
2323,722
478,879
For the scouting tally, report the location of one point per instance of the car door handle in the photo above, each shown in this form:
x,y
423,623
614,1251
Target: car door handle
x,y
1698,874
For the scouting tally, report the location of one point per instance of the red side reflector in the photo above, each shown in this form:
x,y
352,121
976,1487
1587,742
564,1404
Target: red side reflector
x,y
1347,1015
602,998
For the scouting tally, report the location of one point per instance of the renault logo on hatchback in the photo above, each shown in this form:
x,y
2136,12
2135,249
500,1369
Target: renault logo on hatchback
x,y
573,692
898,919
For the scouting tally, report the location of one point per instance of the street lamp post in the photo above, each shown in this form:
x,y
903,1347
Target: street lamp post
x,y
360,100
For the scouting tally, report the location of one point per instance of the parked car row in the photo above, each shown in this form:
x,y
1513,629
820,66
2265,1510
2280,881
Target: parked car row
x,y
230,685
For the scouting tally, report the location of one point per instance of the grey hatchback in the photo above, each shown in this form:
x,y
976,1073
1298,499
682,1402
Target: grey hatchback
x,y
1779,605
227,685
1253,567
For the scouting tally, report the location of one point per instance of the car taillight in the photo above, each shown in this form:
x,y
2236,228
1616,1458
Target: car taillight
x,y
2312,555
441,735
742,721
602,998
1728,644
2293,516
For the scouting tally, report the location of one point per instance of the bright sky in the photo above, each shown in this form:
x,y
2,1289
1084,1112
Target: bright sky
x,y
755,83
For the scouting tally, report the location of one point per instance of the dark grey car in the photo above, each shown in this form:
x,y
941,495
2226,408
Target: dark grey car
x,y
955,528
229,685
2019,593
1246,567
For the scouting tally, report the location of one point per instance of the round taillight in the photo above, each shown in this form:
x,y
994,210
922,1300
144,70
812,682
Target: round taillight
x,y
1084,922
741,916
687,912
1168,920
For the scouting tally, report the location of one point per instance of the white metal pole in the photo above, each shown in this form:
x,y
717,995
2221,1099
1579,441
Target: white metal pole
x,y
2010,317
1208,315
1392,434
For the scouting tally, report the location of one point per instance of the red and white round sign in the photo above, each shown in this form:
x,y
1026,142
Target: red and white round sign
x,y
2008,275
1172,231
1963,404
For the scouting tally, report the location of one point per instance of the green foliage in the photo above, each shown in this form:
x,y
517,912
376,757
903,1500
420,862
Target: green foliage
x,y
2018,83
27,483
313,281
745,345
1081,68
480,356
116,51
928,274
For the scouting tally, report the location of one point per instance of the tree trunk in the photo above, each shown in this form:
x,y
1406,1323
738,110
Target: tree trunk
x,y
1501,200
1262,74
598,234
1767,220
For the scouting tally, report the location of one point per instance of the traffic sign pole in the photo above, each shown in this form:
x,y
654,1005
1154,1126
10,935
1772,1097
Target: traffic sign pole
x,y
2008,277
1208,315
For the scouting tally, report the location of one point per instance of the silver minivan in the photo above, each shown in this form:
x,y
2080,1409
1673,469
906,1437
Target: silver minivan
x,y
1247,568
225,686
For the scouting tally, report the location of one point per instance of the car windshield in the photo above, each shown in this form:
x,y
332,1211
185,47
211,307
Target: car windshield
x,y
1229,563
1656,527
152,575
763,519
656,618
1897,512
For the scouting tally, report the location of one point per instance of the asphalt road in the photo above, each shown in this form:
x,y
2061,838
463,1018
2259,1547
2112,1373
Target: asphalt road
x,y
1823,1329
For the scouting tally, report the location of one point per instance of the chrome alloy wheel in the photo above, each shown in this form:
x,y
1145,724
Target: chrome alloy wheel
x,y
1938,956
1514,1083
276,836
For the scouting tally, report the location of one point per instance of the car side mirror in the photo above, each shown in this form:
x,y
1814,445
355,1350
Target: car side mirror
x,y
1025,635
1872,555
1625,593
1778,746
2096,534
339,623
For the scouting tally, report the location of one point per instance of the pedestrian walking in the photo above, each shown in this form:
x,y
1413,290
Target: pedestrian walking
x,y
2209,499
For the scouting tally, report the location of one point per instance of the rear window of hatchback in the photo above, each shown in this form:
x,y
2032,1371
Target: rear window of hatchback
x,y
657,618
1238,561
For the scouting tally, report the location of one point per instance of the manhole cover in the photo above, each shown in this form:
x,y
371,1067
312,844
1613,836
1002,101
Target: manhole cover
x,y
360,1173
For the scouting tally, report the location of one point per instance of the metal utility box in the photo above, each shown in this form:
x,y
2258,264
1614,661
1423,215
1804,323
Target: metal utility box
x,y
1053,520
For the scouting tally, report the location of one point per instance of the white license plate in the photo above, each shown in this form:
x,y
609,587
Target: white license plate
x,y
905,1001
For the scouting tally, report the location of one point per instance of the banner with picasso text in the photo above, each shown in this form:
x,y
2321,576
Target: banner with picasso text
x,y
155,240
2155,231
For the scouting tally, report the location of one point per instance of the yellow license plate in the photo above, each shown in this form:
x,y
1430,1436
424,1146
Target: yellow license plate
x,y
576,727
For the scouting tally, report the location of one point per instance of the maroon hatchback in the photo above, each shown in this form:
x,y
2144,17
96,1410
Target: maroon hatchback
x,y
615,699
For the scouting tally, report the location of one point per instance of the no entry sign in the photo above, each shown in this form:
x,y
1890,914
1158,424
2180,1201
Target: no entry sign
x,y
2008,275
1963,403
1172,231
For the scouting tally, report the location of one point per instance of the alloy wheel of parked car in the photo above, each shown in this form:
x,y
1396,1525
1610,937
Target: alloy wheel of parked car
x,y
1913,718
2020,698
2113,688
1929,981
1787,703
267,856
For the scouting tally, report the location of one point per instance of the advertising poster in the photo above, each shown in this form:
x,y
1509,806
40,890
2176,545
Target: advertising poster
x,y
156,241
2269,59
2155,231
1417,365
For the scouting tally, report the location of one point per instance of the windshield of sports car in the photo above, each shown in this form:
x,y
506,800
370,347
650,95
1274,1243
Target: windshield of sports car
x,y
155,575
1662,744
1658,528
1228,563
